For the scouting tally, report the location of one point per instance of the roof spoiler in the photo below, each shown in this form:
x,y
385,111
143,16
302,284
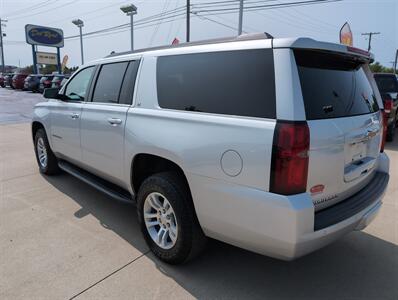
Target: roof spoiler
x,y
311,44
242,37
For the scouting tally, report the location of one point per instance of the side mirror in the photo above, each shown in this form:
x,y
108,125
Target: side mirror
x,y
51,93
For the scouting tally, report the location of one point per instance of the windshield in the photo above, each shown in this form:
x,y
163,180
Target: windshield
x,y
334,85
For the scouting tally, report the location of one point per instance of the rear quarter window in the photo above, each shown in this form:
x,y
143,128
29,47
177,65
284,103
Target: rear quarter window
x,y
333,85
229,82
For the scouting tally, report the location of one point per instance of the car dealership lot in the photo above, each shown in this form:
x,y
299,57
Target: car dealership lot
x,y
60,238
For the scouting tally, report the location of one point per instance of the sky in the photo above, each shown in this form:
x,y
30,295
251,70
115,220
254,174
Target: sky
x,y
319,21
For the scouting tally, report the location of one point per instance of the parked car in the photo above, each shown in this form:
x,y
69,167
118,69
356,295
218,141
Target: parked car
x,y
18,81
45,82
32,82
272,145
64,80
388,87
56,82
8,79
2,82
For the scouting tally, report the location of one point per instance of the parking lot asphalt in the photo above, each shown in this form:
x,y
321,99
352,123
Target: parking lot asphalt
x,y
61,239
16,106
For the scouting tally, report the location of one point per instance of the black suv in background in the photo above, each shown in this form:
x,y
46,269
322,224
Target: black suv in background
x,y
32,82
388,87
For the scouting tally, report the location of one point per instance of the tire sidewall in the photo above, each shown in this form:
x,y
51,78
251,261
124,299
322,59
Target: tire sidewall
x,y
180,251
41,134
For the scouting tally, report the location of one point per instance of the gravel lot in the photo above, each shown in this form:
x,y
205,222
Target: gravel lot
x,y
61,239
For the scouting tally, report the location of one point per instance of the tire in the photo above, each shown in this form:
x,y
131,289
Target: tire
x,y
390,132
190,239
50,166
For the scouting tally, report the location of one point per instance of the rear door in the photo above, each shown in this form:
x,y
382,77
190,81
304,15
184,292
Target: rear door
x,y
345,124
104,119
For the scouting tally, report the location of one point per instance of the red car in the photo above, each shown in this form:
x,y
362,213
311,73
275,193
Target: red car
x,y
18,81
2,81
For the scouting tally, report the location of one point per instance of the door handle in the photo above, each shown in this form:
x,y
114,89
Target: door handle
x,y
75,116
114,121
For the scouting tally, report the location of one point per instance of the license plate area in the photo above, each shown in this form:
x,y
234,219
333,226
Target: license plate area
x,y
356,152
359,156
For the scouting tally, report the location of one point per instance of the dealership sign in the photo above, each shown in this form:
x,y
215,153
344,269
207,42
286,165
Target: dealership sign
x,y
44,36
346,37
46,58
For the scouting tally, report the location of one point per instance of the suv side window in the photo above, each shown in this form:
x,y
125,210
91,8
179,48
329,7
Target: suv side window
x,y
127,91
109,82
78,86
240,82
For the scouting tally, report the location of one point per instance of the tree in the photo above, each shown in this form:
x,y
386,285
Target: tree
x,y
48,69
378,68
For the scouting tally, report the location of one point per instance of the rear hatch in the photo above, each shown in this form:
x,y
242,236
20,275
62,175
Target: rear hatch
x,y
345,124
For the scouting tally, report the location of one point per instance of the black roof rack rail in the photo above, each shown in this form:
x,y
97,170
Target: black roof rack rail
x,y
243,37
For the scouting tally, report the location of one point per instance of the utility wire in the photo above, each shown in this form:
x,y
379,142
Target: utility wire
x,y
174,13
126,25
165,6
228,3
219,23
29,8
171,15
43,11
171,24
267,6
84,13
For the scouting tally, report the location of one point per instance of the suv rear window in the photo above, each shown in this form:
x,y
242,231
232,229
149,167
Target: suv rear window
x,y
387,83
333,85
229,82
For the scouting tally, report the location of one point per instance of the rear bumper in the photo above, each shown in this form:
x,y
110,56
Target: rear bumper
x,y
284,227
354,213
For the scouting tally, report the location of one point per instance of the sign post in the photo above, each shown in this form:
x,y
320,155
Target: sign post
x,y
59,61
44,36
34,59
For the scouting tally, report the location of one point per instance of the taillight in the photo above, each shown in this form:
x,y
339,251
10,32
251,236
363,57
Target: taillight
x,y
47,81
289,165
384,135
388,104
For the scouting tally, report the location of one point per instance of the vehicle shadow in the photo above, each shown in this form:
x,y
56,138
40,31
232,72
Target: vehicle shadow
x,y
359,266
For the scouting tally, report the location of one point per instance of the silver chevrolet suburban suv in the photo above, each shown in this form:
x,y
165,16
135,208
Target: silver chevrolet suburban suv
x,y
272,145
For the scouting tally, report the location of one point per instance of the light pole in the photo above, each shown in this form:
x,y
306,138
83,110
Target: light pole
x,y
3,64
130,10
240,17
79,23
188,20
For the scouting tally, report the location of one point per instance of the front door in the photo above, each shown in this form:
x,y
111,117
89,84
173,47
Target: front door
x,y
66,117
